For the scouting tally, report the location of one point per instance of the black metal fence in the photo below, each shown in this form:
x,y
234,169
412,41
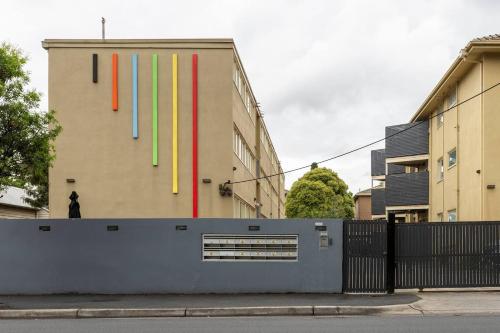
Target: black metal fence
x,y
381,256
447,255
364,260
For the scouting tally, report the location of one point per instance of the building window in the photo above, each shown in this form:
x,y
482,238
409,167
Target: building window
x,y
452,215
452,98
452,157
440,118
440,169
241,209
242,151
247,101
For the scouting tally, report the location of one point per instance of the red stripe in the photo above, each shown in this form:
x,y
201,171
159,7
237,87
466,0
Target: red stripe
x,y
115,82
195,135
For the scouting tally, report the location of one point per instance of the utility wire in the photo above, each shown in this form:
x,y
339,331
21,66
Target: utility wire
x,y
368,144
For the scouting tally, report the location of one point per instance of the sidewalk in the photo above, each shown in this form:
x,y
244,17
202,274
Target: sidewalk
x,y
103,306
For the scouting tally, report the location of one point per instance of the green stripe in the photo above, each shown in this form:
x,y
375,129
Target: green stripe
x,y
155,109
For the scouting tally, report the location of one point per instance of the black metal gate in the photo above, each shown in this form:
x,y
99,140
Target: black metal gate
x,y
364,261
447,255
381,256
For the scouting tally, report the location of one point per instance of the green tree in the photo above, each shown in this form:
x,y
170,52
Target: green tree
x,y
320,193
26,134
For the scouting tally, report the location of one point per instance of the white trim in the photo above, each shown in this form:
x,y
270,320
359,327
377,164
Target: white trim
x,y
403,159
414,207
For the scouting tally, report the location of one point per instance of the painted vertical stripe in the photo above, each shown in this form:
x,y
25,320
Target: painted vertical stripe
x,y
155,108
94,67
175,162
115,82
195,135
135,106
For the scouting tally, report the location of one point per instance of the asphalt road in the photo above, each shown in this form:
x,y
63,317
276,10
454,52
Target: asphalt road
x,y
412,324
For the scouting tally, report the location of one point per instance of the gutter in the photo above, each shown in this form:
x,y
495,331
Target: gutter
x,y
464,57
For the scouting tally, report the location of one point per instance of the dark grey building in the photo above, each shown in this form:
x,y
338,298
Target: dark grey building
x,y
400,176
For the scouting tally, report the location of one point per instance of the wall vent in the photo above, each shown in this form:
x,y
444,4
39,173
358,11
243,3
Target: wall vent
x,y
223,247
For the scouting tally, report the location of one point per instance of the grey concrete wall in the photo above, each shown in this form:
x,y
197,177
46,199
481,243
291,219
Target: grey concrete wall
x,y
151,256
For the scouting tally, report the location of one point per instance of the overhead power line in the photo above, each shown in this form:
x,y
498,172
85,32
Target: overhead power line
x,y
368,144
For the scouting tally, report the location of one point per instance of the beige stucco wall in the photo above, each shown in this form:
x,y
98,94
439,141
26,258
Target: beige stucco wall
x,y
477,138
460,188
469,147
114,173
491,138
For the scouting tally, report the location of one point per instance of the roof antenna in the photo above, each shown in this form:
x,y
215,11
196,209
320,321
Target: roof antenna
x,y
103,21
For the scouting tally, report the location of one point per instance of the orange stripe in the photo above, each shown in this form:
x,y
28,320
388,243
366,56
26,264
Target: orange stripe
x,y
115,82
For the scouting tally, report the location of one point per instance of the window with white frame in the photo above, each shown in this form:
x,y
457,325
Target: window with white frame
x,y
237,78
452,97
440,169
247,101
242,150
440,117
452,157
452,215
241,209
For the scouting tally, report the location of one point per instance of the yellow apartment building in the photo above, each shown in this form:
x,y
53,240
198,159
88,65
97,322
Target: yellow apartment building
x,y
445,164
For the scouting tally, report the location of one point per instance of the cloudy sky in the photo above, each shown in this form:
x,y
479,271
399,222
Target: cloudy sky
x,y
328,74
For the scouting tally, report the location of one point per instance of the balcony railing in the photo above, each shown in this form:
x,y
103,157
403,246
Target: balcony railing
x,y
378,201
378,164
407,189
407,139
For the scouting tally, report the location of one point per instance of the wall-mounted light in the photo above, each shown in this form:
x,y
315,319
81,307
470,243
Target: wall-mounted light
x,y
490,186
225,190
70,180
206,180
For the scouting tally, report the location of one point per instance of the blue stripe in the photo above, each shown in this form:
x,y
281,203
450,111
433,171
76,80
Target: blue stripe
x,y
135,129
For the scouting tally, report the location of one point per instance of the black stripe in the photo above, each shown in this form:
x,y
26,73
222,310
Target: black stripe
x,y
94,68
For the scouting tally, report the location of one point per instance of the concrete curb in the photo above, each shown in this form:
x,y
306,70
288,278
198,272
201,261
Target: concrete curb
x,y
405,309
251,311
131,313
38,313
364,310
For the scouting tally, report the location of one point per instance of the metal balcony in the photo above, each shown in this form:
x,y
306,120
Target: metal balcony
x,y
407,189
378,201
407,139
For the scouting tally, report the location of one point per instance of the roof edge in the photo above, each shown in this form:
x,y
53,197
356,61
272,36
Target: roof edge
x,y
457,63
48,43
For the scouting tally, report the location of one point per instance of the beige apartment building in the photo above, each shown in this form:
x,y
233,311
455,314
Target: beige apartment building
x,y
159,128
445,166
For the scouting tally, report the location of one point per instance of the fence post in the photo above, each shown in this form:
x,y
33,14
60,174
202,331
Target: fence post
x,y
391,255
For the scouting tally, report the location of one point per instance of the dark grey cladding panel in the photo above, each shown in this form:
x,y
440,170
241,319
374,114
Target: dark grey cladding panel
x,y
407,189
378,162
412,139
378,201
395,169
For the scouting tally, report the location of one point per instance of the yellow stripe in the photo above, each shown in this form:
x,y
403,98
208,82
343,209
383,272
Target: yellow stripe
x,y
175,176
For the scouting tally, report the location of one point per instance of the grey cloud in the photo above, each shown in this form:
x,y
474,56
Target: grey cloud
x,y
330,75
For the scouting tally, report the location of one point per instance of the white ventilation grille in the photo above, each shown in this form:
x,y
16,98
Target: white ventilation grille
x,y
220,247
